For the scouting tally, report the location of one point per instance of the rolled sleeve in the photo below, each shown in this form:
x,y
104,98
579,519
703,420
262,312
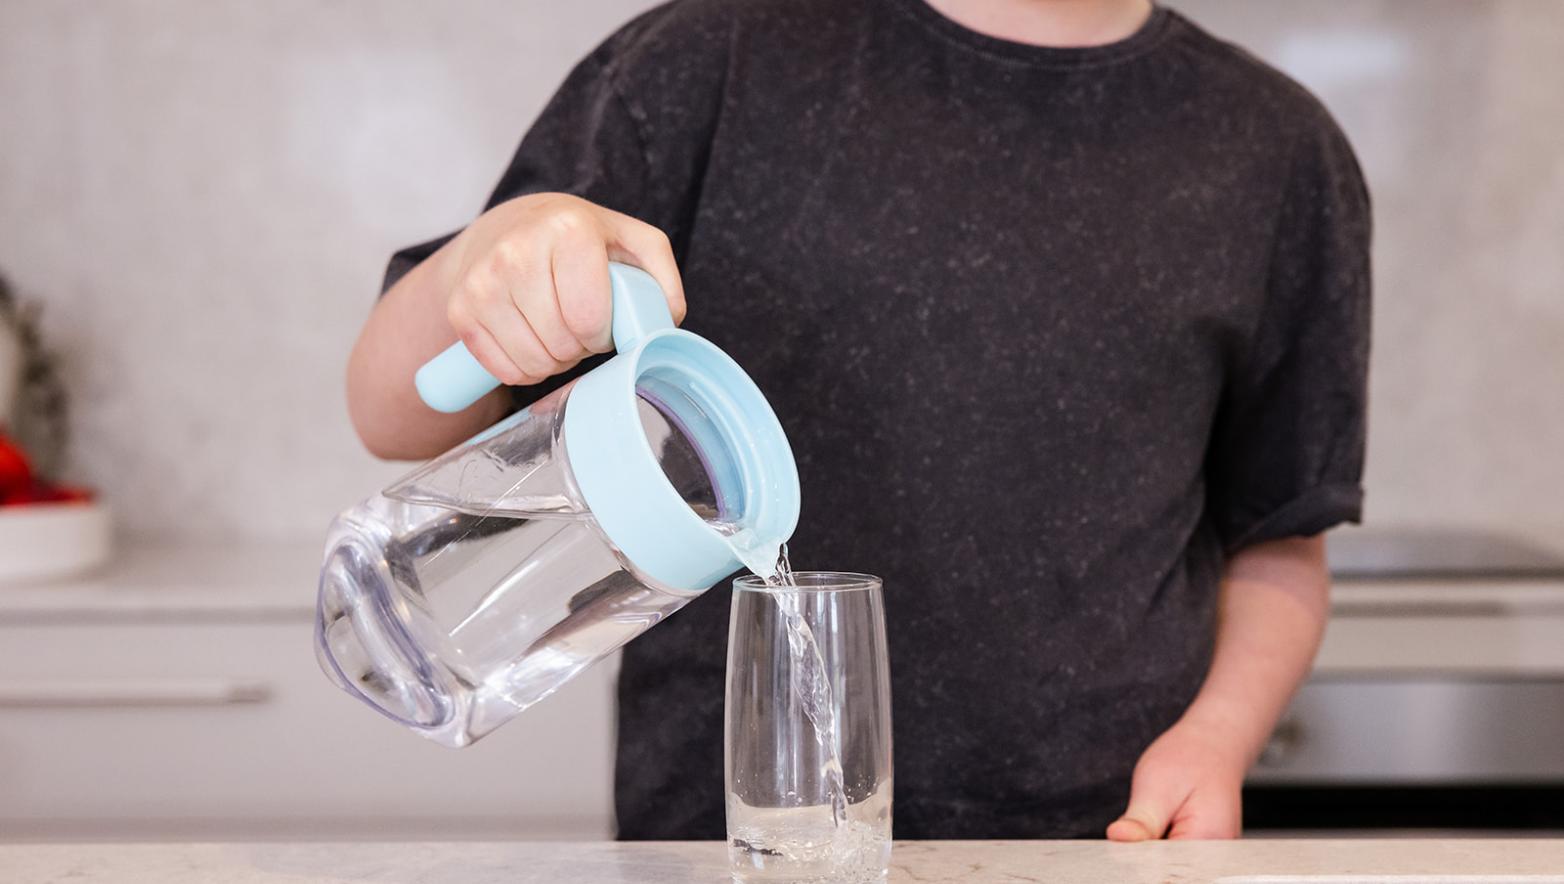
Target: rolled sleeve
x,y
1287,450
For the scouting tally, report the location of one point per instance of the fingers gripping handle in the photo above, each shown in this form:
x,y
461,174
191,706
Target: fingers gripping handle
x,y
454,380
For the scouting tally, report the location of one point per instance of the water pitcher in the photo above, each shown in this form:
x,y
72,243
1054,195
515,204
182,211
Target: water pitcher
x,y
482,581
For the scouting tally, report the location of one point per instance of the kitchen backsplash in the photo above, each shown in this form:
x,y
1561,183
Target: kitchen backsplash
x,y
203,194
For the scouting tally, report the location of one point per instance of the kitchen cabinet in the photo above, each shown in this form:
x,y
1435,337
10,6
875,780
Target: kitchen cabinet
x,y
178,694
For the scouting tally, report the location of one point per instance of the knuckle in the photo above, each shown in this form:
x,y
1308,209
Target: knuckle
x,y
526,205
560,199
478,291
571,221
550,199
459,313
507,258
654,236
486,297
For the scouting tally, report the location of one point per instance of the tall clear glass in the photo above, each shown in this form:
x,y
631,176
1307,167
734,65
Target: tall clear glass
x,y
808,730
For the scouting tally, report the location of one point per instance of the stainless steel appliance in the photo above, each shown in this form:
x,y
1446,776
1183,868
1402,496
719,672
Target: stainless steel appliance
x,y
1438,699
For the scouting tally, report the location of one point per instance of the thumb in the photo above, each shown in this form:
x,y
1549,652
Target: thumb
x,y
1151,808
1209,813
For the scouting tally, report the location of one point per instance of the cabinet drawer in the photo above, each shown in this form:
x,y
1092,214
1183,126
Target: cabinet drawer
x,y
230,729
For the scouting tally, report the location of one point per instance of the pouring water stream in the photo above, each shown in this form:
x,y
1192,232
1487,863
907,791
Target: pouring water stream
x,y
810,683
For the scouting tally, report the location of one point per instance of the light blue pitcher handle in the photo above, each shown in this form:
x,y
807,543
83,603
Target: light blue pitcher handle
x,y
454,380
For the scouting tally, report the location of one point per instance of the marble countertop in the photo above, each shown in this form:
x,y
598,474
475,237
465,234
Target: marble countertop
x,y
1056,862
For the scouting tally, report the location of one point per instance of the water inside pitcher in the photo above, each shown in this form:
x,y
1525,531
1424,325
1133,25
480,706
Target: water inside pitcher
x,y
480,583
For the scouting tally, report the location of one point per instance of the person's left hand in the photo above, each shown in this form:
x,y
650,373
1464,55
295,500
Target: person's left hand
x,y
1187,784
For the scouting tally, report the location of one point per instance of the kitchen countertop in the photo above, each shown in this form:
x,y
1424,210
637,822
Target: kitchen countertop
x,y
253,583
1056,862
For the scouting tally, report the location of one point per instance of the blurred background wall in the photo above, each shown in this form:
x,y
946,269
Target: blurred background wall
x,y
203,195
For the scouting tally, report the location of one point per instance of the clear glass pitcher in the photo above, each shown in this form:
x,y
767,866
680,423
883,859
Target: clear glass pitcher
x,y
482,581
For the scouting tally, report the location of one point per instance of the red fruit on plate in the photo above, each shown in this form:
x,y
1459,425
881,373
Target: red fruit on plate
x,y
42,492
16,473
69,494
19,486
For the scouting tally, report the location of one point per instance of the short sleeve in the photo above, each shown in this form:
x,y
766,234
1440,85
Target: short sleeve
x,y
630,128
1286,457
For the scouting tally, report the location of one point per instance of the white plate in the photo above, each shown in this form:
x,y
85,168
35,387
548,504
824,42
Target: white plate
x,y
46,541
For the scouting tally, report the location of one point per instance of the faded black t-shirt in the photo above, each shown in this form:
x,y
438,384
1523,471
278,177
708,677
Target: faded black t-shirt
x,y
1050,330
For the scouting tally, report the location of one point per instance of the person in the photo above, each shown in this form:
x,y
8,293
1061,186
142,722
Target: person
x,y
1064,307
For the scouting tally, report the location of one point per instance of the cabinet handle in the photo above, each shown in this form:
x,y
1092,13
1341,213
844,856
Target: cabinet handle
x,y
182,692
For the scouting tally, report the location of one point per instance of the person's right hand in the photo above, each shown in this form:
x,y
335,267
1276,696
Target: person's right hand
x,y
531,297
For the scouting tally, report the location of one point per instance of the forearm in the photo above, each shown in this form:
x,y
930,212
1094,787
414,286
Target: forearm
x,y
406,329
1275,600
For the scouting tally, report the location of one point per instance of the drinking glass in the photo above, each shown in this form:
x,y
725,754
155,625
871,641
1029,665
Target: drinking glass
x,y
808,730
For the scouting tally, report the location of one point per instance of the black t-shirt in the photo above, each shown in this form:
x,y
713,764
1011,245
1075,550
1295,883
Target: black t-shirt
x,y
1050,330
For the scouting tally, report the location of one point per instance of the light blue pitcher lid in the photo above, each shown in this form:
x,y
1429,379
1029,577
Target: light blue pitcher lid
x,y
701,390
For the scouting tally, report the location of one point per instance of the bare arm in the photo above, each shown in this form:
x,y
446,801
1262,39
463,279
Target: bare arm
x,y
1274,605
405,330
525,287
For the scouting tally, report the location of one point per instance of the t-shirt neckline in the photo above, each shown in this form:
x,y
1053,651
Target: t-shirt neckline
x,y
1152,32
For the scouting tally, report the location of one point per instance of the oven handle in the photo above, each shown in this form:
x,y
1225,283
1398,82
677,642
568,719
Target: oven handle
x,y
1283,744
